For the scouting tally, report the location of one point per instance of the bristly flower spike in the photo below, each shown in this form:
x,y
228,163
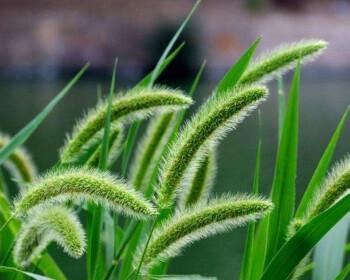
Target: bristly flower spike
x,y
201,221
150,149
216,117
334,187
282,59
199,187
19,162
49,224
85,184
124,109
115,141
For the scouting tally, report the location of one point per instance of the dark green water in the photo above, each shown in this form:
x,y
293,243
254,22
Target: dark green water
x,y
323,101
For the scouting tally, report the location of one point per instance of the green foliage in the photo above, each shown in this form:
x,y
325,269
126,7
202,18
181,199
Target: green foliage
x,y
215,118
19,162
165,215
44,226
78,184
187,226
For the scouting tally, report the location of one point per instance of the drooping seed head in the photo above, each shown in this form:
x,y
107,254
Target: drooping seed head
x,y
334,187
45,225
124,109
85,184
282,59
19,162
199,222
115,141
199,186
150,149
213,121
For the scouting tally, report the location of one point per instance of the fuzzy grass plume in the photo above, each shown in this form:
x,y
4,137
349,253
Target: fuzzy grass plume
x,y
199,187
115,141
334,187
282,59
44,226
219,215
150,149
19,162
85,184
215,118
124,109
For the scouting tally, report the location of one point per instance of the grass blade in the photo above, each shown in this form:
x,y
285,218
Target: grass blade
x,y
160,66
95,228
322,167
25,132
29,274
233,75
283,188
296,248
281,105
344,273
250,242
329,253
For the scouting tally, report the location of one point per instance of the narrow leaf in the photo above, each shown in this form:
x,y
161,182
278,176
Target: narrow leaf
x,y
25,132
29,274
322,167
297,247
283,188
236,71
247,264
344,273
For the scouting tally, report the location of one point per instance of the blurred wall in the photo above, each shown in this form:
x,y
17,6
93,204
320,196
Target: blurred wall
x,y
48,36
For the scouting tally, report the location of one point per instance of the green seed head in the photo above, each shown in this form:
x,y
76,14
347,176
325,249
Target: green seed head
x,y
282,59
19,162
199,222
150,149
78,184
44,226
334,187
125,109
199,186
213,121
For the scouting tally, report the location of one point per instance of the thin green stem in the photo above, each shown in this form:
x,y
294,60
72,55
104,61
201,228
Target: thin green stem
x,y
7,223
129,233
145,249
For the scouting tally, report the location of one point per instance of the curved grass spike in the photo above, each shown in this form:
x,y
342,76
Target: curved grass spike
x,y
125,109
200,185
150,149
42,227
282,59
115,141
19,162
203,220
87,184
216,117
334,187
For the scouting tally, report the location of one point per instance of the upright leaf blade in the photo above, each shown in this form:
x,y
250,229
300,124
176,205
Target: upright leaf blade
x,y
247,264
233,75
322,167
160,66
94,256
25,132
344,273
29,274
329,253
283,188
296,248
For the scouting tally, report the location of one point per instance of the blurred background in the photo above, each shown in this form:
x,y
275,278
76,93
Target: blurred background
x,y
43,43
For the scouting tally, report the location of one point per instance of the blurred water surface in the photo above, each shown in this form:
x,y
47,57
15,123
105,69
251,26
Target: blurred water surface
x,y
323,101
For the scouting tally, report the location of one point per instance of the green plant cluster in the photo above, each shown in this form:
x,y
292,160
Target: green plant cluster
x,y
166,194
